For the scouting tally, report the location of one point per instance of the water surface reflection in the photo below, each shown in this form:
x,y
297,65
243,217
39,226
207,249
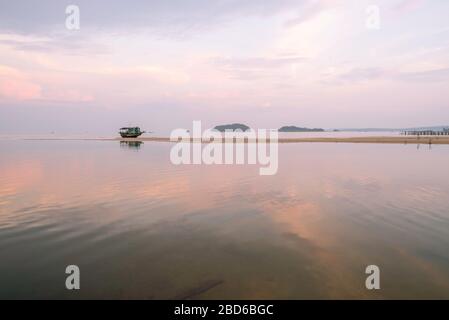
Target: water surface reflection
x,y
140,227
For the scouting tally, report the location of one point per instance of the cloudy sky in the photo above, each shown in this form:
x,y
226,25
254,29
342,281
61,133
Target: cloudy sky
x,y
266,63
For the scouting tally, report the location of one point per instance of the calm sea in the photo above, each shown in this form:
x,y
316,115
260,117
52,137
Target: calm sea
x,y
139,227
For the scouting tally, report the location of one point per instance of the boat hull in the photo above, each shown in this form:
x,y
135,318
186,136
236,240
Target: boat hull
x,y
125,135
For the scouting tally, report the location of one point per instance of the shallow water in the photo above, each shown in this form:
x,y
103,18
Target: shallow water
x,y
140,227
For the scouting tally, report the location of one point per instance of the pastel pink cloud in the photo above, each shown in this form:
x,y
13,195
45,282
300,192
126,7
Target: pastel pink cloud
x,y
15,85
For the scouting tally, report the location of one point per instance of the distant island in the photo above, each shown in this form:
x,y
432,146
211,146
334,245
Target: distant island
x,y
232,127
299,129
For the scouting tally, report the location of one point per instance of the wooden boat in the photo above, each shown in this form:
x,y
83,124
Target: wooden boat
x,y
130,132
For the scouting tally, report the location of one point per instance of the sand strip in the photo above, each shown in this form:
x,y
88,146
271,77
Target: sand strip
x,y
396,140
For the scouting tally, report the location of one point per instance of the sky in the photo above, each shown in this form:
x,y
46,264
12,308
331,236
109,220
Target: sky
x,y
266,63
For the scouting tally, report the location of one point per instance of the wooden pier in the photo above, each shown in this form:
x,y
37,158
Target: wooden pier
x,y
444,132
